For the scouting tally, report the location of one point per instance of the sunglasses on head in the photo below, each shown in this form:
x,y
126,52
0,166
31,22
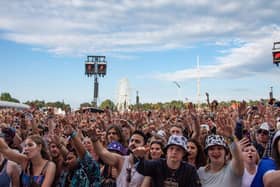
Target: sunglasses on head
x,y
262,131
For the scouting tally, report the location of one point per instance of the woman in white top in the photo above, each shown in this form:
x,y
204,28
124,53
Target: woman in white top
x,y
251,159
219,171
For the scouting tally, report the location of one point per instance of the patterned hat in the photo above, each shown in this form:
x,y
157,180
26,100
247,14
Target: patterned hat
x,y
178,140
215,139
116,147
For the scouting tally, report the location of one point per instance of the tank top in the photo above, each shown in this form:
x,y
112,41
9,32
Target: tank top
x,y
128,176
5,179
247,178
28,180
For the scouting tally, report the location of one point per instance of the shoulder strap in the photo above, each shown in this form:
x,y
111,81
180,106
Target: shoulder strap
x,y
27,168
44,168
3,164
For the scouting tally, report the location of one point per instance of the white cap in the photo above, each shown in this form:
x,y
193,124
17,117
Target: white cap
x,y
205,126
264,126
161,133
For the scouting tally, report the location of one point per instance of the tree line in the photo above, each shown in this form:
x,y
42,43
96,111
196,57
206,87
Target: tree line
x,y
109,104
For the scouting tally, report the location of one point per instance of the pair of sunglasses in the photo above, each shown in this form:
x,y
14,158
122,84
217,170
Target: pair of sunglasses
x,y
263,132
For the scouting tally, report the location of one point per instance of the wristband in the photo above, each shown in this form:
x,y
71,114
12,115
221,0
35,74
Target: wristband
x,y
74,133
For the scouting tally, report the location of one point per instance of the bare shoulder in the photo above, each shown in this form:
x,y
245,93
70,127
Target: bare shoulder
x,y
13,167
51,165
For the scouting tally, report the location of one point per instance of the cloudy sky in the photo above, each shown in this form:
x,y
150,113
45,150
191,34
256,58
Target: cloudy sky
x,y
153,43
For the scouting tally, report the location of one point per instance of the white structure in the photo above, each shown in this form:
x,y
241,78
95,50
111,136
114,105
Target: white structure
x,y
123,95
7,104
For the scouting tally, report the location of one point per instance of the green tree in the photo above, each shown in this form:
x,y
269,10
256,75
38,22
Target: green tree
x,y
36,103
85,105
7,97
58,104
107,104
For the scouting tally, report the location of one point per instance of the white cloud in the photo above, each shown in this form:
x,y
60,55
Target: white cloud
x,y
127,24
120,27
247,60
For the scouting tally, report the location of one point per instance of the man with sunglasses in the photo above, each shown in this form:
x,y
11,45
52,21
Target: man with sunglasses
x,y
262,138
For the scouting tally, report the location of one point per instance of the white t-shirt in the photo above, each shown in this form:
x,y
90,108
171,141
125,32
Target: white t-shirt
x,y
225,177
247,178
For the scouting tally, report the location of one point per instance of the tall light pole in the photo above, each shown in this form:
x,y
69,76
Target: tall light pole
x,y
271,93
198,82
96,66
137,98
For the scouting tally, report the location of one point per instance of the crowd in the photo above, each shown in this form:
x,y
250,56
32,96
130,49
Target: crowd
x,y
192,147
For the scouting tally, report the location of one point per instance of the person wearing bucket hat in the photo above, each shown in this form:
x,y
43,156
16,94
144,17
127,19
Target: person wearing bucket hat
x,y
268,172
219,171
172,170
117,147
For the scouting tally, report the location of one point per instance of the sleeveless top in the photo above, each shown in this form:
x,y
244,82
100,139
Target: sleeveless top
x,y
5,179
28,180
247,178
128,176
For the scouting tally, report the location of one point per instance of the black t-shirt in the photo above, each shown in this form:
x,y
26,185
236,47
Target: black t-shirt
x,y
163,176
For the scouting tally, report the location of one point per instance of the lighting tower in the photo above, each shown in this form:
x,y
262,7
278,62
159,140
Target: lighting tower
x,y
276,53
198,82
96,66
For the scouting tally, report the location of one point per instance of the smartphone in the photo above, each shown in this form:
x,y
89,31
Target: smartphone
x,y
248,135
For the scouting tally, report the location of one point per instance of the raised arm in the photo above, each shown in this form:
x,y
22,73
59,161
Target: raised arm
x,y
109,158
226,127
72,134
12,155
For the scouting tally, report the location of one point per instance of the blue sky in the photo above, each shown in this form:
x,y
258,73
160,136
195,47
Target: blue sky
x,y
152,43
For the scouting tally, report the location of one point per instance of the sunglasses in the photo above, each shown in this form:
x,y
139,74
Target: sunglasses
x,y
263,132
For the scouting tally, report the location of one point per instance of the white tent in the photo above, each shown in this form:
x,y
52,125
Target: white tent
x,y
7,104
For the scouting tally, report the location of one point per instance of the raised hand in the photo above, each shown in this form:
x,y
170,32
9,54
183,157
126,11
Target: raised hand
x,y
140,152
242,108
68,130
93,134
244,142
225,125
